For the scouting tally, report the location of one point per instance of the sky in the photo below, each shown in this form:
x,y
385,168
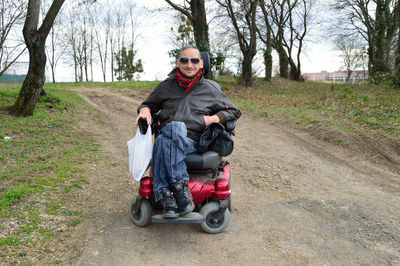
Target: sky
x,y
153,47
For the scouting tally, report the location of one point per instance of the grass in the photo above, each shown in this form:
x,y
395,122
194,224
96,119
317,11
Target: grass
x,y
336,109
41,167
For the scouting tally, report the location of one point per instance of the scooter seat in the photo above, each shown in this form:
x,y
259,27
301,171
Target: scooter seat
x,y
198,161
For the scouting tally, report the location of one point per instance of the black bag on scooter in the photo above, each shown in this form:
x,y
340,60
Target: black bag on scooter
x,y
216,138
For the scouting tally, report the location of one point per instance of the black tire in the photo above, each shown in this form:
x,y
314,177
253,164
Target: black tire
x,y
212,225
230,202
143,216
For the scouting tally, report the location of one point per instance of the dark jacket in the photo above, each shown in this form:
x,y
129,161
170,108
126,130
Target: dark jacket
x,y
204,98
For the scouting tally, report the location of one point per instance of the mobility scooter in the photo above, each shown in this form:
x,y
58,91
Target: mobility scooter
x,y
209,184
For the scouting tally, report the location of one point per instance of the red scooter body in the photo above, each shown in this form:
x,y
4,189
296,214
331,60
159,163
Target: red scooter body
x,y
202,188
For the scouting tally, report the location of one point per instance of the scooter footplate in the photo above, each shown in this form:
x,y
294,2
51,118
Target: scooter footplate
x,y
190,218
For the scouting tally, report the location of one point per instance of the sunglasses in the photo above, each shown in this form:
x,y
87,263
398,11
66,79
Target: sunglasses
x,y
185,60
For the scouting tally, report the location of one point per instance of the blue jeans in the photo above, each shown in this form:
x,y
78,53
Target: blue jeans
x,y
169,152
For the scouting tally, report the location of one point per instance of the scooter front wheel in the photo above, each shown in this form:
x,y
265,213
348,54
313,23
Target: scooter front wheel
x,y
216,218
142,216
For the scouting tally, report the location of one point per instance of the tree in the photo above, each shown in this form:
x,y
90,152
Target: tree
x,y
196,14
243,16
125,20
290,22
54,49
126,67
351,52
275,17
11,16
266,38
376,22
35,39
396,81
299,22
102,35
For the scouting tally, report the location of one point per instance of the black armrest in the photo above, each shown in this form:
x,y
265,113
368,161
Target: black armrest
x,y
230,126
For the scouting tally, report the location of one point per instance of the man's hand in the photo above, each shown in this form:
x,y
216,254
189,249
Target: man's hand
x,y
211,119
144,113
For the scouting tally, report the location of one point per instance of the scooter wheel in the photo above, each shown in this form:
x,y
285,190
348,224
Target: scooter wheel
x,y
143,216
215,221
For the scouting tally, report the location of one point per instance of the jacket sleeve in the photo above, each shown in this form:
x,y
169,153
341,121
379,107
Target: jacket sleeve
x,y
224,108
152,101
228,111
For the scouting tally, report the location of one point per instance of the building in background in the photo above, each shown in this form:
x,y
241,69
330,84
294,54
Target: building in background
x,y
15,73
358,75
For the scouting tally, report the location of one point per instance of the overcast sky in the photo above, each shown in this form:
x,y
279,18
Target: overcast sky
x,y
153,47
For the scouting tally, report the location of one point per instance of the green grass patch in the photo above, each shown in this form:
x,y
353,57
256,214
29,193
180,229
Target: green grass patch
x,y
41,158
71,213
75,222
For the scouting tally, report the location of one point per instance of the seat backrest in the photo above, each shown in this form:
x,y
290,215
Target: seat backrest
x,y
206,62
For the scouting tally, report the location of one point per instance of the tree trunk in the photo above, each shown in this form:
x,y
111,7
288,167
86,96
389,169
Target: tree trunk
x,y
200,27
33,83
268,63
396,81
53,74
268,55
283,63
247,71
35,41
294,71
85,58
349,72
381,47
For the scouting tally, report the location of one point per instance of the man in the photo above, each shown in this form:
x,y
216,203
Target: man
x,y
187,103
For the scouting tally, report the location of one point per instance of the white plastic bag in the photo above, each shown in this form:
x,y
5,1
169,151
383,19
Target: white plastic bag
x,y
140,150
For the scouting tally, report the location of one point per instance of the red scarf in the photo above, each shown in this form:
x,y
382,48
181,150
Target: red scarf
x,y
187,83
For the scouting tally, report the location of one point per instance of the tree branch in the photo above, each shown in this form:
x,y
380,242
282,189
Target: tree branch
x,y
32,18
12,62
50,17
181,9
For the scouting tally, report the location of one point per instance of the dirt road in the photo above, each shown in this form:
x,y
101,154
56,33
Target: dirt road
x,y
296,201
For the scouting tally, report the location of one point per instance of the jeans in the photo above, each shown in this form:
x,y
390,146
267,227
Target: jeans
x,y
169,152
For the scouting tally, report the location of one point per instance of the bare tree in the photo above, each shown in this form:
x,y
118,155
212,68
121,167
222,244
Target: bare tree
x,y
351,52
35,39
54,49
11,17
72,43
290,21
243,16
77,41
299,22
102,37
